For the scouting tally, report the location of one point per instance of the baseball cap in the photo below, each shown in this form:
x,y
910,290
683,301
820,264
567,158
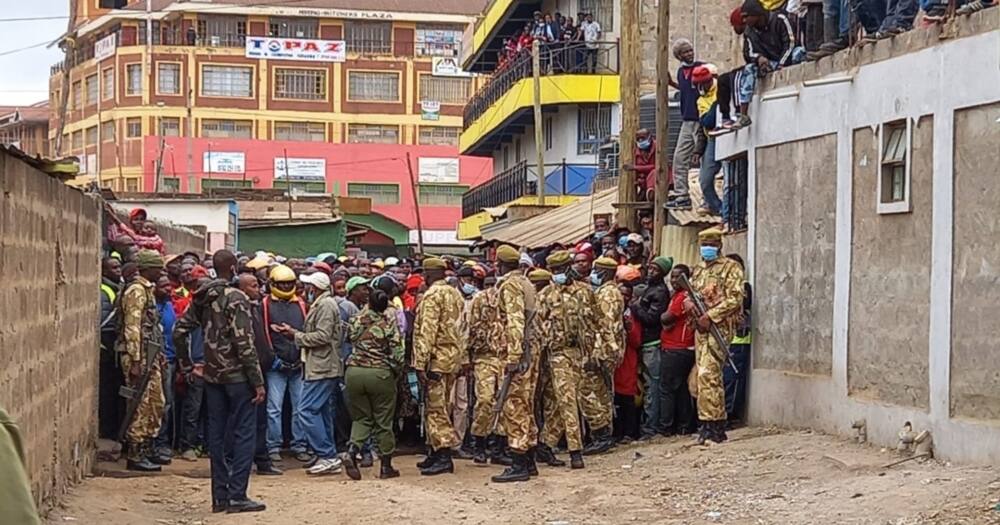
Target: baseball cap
x,y
318,279
353,282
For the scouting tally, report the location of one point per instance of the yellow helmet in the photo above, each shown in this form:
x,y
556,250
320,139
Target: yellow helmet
x,y
282,274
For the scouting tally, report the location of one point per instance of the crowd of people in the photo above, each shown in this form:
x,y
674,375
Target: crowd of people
x,y
512,358
556,33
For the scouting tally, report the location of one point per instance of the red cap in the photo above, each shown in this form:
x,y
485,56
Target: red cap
x,y
701,75
323,267
736,18
199,272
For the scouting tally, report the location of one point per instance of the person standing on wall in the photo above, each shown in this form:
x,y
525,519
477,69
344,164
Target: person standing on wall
x,y
679,196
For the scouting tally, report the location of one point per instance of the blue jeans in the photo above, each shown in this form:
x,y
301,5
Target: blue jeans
x,y
192,422
706,176
277,384
749,79
651,381
165,438
869,13
316,416
899,15
231,436
736,385
838,9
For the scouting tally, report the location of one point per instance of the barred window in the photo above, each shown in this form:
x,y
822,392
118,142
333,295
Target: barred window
x,y
133,79
227,129
133,127
372,134
441,194
168,78
222,31
300,186
438,40
170,126
91,135
438,136
132,184
77,95
92,89
171,184
368,37
446,90
226,81
372,86
378,193
294,27
304,131
603,11
299,84
78,140
593,127
208,184
108,89
108,131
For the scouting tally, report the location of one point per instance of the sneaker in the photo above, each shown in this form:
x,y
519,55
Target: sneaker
x,y
325,466
275,457
679,203
189,455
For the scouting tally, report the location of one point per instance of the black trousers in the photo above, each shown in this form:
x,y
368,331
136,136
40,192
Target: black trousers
x,y
676,406
260,457
110,406
627,417
232,416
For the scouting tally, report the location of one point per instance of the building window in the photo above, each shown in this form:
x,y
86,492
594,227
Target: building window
x,y
894,167
372,134
438,40
133,127
547,132
300,84
446,90
603,11
226,81
441,194
92,89
78,139
303,131
517,151
210,184
170,184
132,184
133,79
227,129
373,38
108,83
593,128
170,126
300,186
294,27
77,95
222,31
371,86
438,136
91,136
168,78
108,131
378,193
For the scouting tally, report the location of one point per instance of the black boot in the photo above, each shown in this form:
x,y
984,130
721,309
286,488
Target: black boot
x,y
601,442
704,432
350,462
138,460
442,463
500,456
268,469
159,457
544,454
718,431
518,471
385,468
575,459
427,461
530,457
479,457
244,505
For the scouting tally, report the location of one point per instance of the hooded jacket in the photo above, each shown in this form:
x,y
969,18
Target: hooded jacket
x,y
223,313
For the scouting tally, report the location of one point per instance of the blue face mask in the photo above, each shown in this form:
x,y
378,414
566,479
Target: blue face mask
x,y
468,289
709,253
560,278
643,144
595,279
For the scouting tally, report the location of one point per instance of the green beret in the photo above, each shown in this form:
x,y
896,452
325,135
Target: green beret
x,y
148,259
665,263
558,258
539,276
606,263
434,263
507,254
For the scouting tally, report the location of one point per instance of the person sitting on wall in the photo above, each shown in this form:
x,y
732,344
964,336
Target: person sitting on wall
x,y
645,165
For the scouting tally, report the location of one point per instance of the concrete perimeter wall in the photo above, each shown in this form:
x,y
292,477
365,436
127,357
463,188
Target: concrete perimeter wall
x,y
50,238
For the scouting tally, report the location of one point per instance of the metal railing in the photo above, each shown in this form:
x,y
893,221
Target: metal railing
x,y
595,58
735,194
502,188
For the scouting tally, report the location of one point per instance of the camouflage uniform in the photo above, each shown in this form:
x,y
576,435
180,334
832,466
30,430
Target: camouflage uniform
x,y
595,391
517,301
142,333
370,383
485,340
437,348
375,341
563,317
720,284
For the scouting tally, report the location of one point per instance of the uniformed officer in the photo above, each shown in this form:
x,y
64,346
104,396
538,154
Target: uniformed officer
x,y
486,336
596,389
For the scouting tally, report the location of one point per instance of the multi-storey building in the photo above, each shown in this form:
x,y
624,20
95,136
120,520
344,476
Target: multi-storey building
x,y
26,127
334,71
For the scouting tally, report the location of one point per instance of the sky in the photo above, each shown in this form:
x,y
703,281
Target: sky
x,y
24,75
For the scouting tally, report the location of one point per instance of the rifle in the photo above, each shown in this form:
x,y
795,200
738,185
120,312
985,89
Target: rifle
x,y
702,309
134,395
525,362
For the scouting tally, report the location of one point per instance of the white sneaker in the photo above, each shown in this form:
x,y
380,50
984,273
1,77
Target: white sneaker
x,y
325,466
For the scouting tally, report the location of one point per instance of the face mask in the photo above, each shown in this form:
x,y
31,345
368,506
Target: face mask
x,y
560,278
595,279
709,253
643,144
468,289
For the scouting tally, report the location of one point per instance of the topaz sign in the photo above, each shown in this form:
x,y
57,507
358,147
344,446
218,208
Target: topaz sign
x,y
296,49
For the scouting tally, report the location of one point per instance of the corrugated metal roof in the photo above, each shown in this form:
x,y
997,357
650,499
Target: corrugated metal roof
x,y
691,216
565,225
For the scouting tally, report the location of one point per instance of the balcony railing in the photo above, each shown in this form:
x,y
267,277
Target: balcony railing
x,y
576,58
505,187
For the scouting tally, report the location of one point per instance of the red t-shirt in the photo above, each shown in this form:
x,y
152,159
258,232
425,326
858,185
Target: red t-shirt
x,y
627,373
681,335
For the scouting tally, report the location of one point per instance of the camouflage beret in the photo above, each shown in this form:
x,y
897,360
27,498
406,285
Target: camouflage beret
x,y
148,259
606,263
711,234
508,254
539,276
558,258
434,263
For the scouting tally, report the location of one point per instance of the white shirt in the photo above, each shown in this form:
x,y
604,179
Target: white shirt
x,y
591,32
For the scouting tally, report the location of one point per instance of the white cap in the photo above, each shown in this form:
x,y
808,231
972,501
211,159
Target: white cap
x,y
391,261
317,279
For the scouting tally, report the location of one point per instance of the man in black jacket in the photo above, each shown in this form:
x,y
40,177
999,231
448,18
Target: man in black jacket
x,y
110,405
265,357
647,309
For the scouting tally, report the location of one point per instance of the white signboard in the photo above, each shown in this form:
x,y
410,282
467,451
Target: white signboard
x,y
430,110
447,67
224,162
300,169
105,47
296,49
436,169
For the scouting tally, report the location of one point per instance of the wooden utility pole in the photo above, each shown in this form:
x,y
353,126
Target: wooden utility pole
x,y
629,64
416,204
662,121
288,183
69,50
536,73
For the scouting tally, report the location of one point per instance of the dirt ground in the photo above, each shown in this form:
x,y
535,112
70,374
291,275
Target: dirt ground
x,y
760,476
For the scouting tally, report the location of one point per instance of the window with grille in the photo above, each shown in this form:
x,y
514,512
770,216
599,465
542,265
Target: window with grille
x,y
226,81
170,184
170,126
300,186
168,78
372,134
78,140
91,135
373,38
77,95
378,193
132,185
438,136
133,79
894,167
208,184
222,31
108,131
108,84
133,127
446,90
593,127
438,40
304,131
603,11
294,27
92,89
299,84
223,129
372,86
441,194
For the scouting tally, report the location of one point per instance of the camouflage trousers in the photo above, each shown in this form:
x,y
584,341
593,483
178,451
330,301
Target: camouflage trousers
x,y
460,406
437,416
519,410
148,416
560,400
711,394
595,400
488,372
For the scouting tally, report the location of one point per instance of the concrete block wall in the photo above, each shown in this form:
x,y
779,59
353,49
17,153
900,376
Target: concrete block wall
x,y
50,240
